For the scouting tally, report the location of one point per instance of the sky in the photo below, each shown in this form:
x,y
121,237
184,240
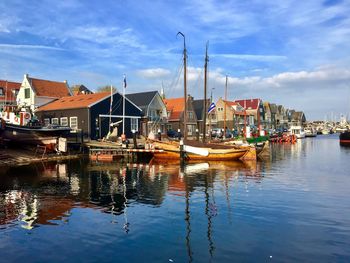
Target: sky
x,y
294,53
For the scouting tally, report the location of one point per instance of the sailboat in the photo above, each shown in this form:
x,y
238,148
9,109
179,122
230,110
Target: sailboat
x,y
194,150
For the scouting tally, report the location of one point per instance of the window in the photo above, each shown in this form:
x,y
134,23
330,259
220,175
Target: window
x,y
1,91
251,120
46,121
54,121
73,123
27,93
64,121
190,115
220,109
134,124
168,127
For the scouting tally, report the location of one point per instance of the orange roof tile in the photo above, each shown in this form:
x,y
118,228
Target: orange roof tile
x,y
175,106
8,87
74,102
249,103
49,88
235,103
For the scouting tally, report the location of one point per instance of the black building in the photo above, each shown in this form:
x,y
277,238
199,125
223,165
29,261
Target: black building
x,y
90,114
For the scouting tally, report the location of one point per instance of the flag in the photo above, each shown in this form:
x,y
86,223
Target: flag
x,y
124,81
211,107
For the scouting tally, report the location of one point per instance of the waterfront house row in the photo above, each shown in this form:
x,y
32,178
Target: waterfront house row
x,y
51,100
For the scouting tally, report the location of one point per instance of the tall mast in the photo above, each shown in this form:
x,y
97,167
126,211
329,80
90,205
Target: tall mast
x,y
225,107
185,86
205,92
110,110
124,87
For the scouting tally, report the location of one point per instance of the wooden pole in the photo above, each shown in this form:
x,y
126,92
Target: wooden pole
x,y
225,108
205,93
185,86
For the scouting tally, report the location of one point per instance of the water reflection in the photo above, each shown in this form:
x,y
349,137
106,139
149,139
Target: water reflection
x,y
210,211
43,193
46,194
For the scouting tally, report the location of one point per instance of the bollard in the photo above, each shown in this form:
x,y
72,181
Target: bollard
x,y
179,134
159,135
134,138
182,153
197,134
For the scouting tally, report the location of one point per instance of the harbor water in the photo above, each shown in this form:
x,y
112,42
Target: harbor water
x,y
290,206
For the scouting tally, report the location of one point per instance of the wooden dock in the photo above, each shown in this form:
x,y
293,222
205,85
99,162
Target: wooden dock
x,y
111,151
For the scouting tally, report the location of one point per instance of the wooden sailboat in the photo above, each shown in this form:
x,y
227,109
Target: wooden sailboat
x,y
197,150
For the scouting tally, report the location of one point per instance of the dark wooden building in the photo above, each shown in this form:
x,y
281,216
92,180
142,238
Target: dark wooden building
x,y
90,114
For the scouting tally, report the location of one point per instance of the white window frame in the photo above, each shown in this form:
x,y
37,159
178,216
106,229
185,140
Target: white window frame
x,y
73,127
46,121
134,124
64,121
55,121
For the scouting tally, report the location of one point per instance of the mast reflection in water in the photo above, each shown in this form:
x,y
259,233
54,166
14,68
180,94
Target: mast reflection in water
x,y
291,206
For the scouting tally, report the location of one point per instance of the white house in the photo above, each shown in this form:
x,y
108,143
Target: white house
x,y
34,93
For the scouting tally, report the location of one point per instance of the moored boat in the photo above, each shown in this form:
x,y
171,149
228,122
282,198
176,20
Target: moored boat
x,y
310,132
198,151
344,138
22,128
298,131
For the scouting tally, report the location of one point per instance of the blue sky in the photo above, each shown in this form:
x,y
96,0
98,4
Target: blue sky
x,y
294,53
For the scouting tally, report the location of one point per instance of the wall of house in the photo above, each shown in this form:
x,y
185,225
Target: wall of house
x,y
81,114
33,101
21,100
102,124
157,116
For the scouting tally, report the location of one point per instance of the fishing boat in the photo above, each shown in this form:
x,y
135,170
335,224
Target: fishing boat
x,y
23,128
310,132
195,150
298,131
344,138
198,151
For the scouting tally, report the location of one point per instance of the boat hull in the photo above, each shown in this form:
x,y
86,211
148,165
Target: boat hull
x,y
33,135
171,151
344,138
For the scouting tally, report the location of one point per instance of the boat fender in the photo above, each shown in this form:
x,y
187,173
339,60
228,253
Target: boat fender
x,y
16,119
27,115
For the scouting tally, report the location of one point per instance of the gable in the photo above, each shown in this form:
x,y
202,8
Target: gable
x,y
142,98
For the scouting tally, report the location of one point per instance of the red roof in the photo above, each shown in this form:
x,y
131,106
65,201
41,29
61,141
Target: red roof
x,y
249,104
234,103
175,106
8,87
49,88
75,102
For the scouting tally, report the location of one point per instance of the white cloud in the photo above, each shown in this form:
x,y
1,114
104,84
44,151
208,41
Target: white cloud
x,y
14,46
153,73
4,29
250,57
